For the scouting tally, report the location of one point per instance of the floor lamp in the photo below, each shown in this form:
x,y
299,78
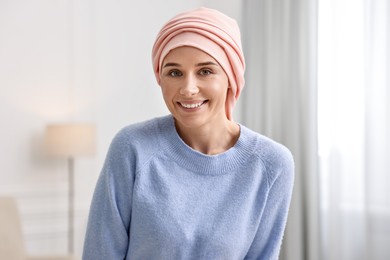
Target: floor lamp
x,y
69,141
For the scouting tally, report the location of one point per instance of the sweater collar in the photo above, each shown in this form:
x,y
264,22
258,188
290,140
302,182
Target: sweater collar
x,y
178,151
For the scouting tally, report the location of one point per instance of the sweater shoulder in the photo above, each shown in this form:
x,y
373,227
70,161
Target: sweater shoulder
x,y
139,139
276,157
144,131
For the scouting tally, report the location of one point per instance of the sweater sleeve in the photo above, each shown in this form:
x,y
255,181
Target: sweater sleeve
x,y
268,239
107,235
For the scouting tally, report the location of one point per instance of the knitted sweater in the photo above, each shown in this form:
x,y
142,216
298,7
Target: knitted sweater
x,y
157,198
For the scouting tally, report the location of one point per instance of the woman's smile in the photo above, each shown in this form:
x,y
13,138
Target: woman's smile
x,y
191,105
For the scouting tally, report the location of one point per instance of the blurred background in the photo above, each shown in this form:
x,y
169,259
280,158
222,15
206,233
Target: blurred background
x,y
317,80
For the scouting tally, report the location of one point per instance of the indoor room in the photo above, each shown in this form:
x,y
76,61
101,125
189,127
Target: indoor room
x,y
75,73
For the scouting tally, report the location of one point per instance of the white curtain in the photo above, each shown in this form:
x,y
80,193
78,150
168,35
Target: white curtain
x,y
280,39
354,124
340,80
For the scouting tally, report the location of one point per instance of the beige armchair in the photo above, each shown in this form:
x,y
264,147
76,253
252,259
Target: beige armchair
x,y
12,245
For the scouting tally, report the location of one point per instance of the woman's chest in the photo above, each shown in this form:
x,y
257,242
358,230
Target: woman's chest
x,y
191,214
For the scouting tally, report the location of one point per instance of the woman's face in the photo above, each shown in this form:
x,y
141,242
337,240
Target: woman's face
x,y
194,87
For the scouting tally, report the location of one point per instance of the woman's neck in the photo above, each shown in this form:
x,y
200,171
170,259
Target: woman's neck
x,y
212,138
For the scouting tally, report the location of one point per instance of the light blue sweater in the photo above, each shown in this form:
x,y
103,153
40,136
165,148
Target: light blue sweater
x,y
157,198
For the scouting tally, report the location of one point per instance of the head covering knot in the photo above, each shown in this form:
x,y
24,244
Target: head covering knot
x,y
212,32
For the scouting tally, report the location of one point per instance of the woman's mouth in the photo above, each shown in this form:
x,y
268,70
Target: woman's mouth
x,y
192,105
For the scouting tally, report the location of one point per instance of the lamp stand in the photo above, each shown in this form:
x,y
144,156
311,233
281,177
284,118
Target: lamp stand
x,y
67,141
70,204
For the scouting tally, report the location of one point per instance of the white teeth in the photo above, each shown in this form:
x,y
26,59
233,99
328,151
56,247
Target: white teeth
x,y
191,105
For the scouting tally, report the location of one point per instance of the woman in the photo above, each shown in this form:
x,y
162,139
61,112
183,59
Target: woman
x,y
193,184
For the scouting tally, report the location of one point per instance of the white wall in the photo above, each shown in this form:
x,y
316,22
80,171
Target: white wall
x,y
63,60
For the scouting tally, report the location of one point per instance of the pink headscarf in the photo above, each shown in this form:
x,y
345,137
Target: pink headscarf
x,y
212,32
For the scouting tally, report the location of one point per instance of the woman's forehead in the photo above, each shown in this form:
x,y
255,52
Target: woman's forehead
x,y
188,54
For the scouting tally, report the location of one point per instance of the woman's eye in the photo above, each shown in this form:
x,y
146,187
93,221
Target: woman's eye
x,y
205,72
175,73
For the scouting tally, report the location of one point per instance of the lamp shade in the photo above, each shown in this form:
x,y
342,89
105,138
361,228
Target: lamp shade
x,y
72,139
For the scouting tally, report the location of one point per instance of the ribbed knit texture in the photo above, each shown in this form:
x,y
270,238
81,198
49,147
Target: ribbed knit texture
x,y
157,198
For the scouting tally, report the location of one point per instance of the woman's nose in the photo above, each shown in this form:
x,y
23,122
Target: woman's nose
x,y
190,86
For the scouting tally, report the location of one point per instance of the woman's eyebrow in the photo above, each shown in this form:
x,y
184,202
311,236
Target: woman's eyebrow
x,y
171,64
207,63
174,64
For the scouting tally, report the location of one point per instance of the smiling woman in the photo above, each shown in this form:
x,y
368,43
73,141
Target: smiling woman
x,y
193,184
194,88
